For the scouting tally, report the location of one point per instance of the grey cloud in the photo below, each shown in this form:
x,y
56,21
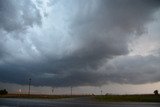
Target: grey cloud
x,y
3,51
129,70
134,69
103,29
17,15
107,29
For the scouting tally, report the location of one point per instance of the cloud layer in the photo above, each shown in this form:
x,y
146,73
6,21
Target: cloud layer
x,y
18,15
76,42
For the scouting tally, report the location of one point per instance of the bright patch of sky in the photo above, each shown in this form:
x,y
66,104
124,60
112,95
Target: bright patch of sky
x,y
149,42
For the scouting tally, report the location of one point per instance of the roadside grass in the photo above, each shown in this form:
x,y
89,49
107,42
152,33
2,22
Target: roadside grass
x,y
127,98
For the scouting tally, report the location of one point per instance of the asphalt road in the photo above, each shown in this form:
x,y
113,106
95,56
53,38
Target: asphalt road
x,y
71,102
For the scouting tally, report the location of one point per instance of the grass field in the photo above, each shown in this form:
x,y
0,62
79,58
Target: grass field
x,y
128,98
100,98
39,96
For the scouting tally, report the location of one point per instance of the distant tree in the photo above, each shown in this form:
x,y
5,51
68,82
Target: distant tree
x,y
106,94
3,92
156,92
93,94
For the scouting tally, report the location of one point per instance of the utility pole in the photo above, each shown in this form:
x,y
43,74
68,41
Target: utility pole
x,y
52,91
29,86
71,91
101,92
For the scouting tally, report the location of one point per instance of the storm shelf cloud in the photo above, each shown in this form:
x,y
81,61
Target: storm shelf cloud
x,y
79,42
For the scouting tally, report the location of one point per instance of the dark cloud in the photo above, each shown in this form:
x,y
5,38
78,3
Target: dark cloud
x,y
129,70
3,51
99,29
104,32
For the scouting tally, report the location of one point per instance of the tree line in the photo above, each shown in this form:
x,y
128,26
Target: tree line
x,y
3,92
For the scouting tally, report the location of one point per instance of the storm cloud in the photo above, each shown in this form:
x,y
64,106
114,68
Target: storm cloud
x,y
18,15
76,42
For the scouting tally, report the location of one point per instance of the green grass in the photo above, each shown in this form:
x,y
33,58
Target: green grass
x,y
128,98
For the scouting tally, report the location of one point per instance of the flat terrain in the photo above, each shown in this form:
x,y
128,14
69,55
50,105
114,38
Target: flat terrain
x,y
98,98
68,102
128,98
38,96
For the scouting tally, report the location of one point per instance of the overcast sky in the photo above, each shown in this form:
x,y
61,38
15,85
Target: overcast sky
x,y
63,43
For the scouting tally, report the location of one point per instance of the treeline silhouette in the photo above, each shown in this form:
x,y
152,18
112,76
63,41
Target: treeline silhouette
x,y
3,92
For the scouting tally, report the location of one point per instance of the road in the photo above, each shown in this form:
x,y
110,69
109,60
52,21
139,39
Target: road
x,y
70,102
